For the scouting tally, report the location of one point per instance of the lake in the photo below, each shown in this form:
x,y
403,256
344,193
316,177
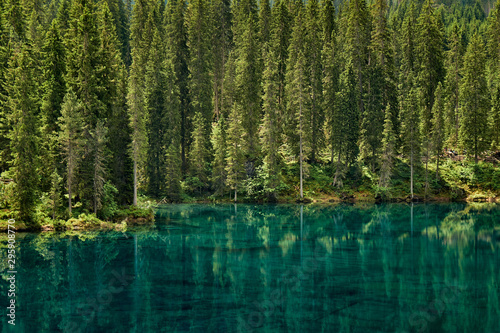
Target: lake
x,y
268,268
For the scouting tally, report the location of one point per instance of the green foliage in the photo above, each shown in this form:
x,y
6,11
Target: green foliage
x,y
192,99
109,207
474,100
24,139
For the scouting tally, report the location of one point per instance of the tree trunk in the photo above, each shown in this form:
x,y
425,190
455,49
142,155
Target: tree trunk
x,y
411,173
427,174
301,158
69,196
135,183
437,167
235,195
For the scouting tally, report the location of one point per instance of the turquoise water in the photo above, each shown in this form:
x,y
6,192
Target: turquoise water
x,y
267,268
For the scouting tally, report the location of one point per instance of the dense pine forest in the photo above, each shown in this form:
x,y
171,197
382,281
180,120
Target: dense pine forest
x,y
104,103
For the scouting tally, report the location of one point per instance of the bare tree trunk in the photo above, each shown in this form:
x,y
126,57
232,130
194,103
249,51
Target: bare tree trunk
x,y
411,172
301,157
135,183
235,195
69,196
427,174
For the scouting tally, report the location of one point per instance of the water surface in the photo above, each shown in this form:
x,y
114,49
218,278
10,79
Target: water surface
x,y
268,268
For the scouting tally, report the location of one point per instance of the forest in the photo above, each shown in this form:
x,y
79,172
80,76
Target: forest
x,y
106,103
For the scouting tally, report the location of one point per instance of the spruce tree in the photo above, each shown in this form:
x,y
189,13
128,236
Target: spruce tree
x,y
5,51
53,91
410,131
84,66
172,138
235,159
113,80
493,60
348,117
141,31
265,21
155,87
279,42
247,79
452,86
313,47
474,100
438,128
55,192
270,130
22,103
71,140
199,152
357,39
176,34
200,83
330,56
298,98
219,138
388,155
429,51
222,39
99,153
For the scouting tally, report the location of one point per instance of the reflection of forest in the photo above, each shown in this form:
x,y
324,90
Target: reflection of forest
x,y
211,268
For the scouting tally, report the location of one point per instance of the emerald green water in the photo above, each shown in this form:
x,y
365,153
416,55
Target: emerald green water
x,y
267,268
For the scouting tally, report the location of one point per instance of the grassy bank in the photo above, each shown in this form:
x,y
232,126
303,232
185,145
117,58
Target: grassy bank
x,y
119,219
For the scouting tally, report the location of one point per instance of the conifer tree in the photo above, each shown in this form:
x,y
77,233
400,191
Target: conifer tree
x,y
493,60
53,91
113,81
172,137
199,152
438,128
22,103
63,17
141,31
313,46
235,160
298,97
265,21
155,87
247,79
371,126
357,39
71,140
99,153
5,50
222,39
219,145
382,71
348,117
429,51
281,28
270,133
83,66
410,131
388,151
330,56
474,100
452,85
176,34
200,84
55,192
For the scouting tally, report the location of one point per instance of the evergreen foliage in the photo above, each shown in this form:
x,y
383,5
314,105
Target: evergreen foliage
x,y
115,99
